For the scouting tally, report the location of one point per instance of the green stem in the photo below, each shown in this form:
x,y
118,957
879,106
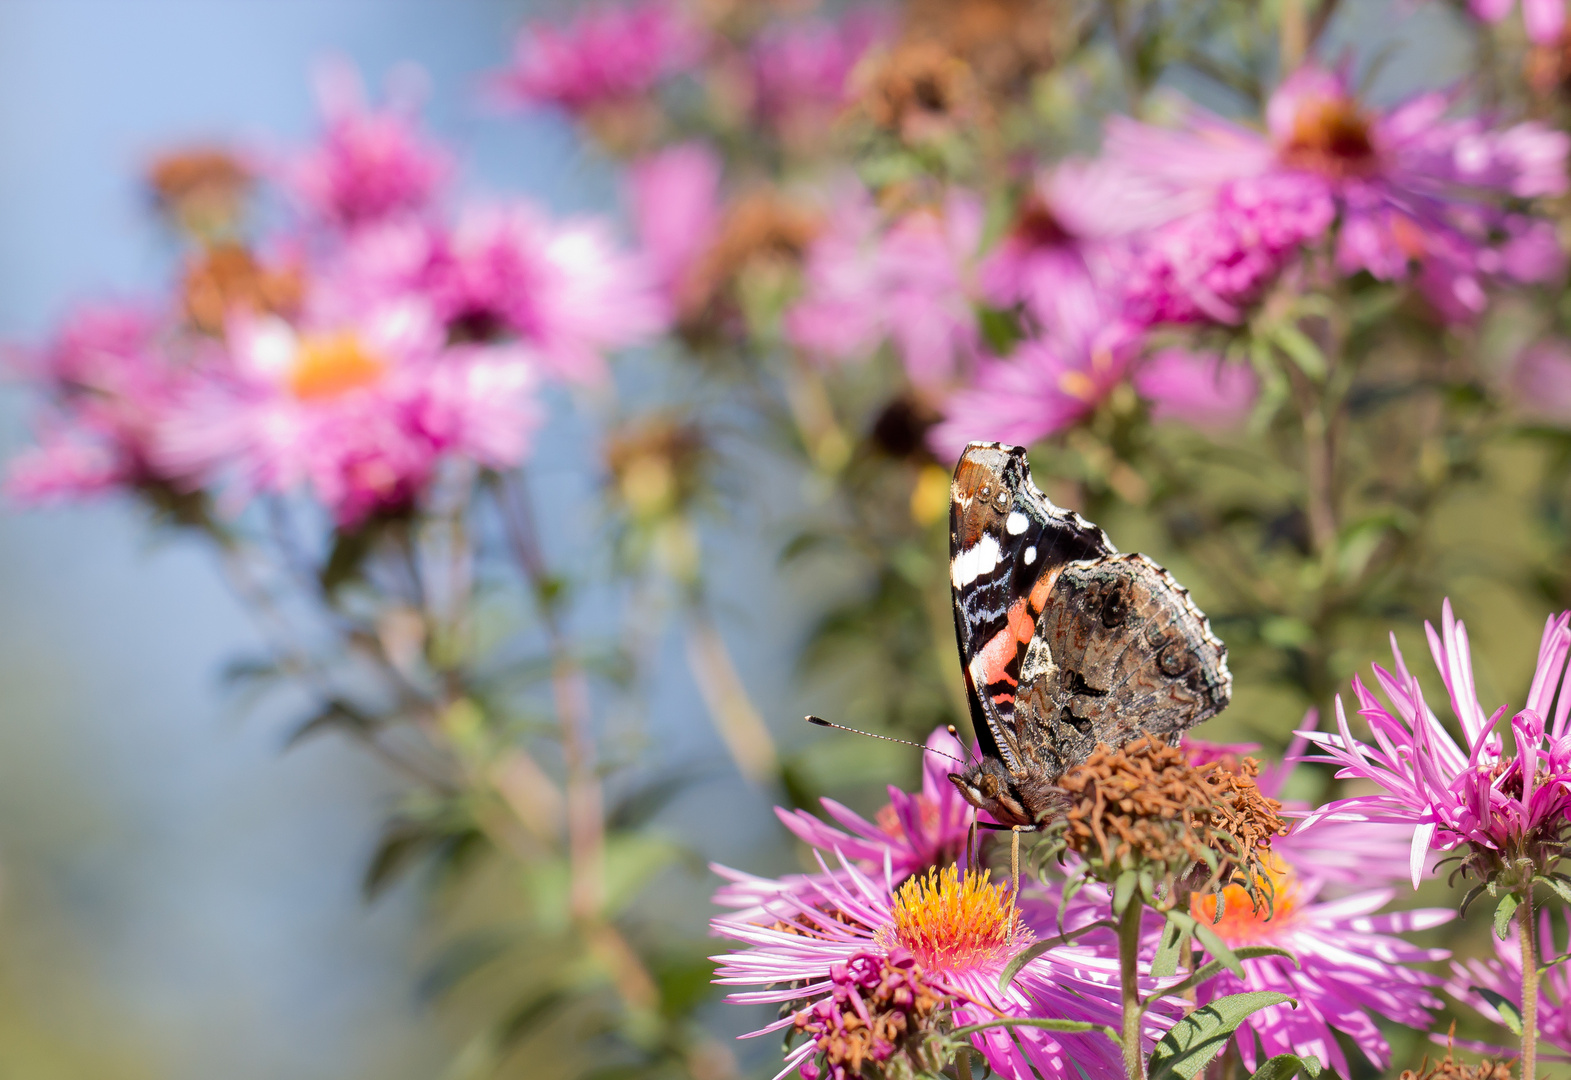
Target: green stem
x,y
1524,932
1129,988
963,1065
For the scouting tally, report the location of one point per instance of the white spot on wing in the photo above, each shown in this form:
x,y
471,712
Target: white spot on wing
x,y
977,560
1016,523
1030,554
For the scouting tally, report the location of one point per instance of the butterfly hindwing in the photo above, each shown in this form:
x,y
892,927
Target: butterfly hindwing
x,y
1007,544
1119,652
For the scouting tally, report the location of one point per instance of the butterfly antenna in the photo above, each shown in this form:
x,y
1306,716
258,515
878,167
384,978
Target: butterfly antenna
x,y
821,722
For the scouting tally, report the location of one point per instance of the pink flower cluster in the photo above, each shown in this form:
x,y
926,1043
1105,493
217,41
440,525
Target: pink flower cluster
x,y
416,342
815,939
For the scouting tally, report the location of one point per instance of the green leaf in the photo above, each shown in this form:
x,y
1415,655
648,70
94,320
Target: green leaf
x,y
1020,960
1124,891
1503,912
1467,901
1218,949
1165,962
1302,351
336,715
1195,1039
1287,1066
1559,884
1510,1015
1215,967
1072,1027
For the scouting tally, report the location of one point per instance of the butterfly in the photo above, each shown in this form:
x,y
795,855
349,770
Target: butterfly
x,y
1064,642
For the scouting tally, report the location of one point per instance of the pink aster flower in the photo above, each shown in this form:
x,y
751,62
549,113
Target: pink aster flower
x,y
109,382
359,413
370,165
1544,19
1503,807
1046,385
1198,389
1502,976
800,68
959,930
1351,965
910,284
674,195
1409,188
914,832
605,54
563,289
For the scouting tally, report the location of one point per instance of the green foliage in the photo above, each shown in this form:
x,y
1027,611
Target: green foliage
x,y
1199,1036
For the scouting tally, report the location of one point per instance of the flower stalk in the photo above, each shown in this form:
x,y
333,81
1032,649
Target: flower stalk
x,y
1129,988
1524,933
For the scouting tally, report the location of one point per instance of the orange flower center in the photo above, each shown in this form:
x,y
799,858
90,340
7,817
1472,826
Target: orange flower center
x,y
332,364
1331,136
950,922
1244,922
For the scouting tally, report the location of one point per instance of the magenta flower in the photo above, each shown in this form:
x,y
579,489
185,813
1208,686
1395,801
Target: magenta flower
x,y
1408,187
562,289
914,832
1198,389
1046,385
370,165
1545,20
1503,807
674,196
109,382
959,929
605,54
1351,966
1503,976
800,68
911,285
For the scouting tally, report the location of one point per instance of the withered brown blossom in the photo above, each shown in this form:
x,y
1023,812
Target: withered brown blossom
x,y
920,91
761,228
1006,43
878,1007
1451,1069
1145,806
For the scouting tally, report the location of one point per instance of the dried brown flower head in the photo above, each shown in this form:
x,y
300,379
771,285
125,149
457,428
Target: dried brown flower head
x,y
1451,1069
761,230
1006,43
203,189
1145,806
226,277
920,92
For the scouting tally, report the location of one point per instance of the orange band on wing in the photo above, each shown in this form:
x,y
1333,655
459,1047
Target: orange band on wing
x,y
992,662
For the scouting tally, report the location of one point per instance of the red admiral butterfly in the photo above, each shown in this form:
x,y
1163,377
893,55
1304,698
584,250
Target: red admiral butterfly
x,y
1064,642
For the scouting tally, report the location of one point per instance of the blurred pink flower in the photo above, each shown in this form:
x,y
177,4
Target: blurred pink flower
x,y
1541,380
1199,389
606,53
915,832
1408,186
360,413
108,382
1502,976
1544,19
1474,793
911,285
800,68
564,289
1045,385
675,199
370,165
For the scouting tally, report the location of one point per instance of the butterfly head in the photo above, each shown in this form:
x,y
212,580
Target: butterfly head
x,y
988,785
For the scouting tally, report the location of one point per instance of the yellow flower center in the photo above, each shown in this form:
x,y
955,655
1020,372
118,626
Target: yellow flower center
x,y
328,365
1245,923
950,922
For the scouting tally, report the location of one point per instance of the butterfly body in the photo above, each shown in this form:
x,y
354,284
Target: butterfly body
x,y
1065,643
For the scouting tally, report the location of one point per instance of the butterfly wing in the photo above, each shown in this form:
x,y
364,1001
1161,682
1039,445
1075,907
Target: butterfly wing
x,y
1120,651
1008,546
